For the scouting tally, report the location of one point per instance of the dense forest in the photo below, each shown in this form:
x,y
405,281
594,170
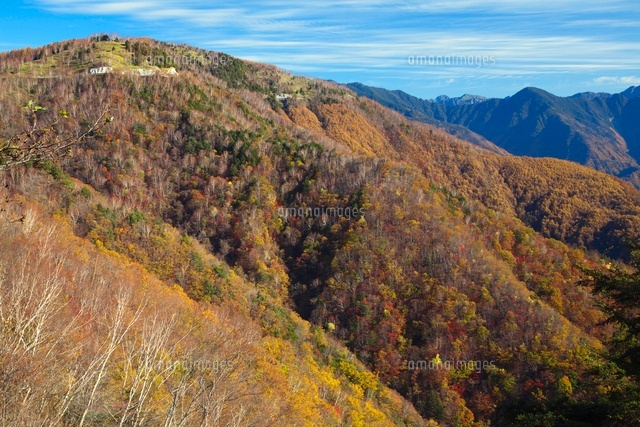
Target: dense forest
x,y
148,275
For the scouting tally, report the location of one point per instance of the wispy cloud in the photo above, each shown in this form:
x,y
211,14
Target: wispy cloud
x,y
615,81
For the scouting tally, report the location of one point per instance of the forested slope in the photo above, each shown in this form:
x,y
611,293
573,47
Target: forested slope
x,y
459,253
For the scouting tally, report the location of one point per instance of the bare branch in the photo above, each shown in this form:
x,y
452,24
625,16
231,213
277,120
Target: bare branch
x,y
44,142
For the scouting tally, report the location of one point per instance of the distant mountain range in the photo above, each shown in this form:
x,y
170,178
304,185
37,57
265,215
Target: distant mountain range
x,y
461,100
599,130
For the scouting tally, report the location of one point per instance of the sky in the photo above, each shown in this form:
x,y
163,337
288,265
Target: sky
x,y
562,46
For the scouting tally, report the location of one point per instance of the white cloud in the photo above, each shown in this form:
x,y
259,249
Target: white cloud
x,y
616,81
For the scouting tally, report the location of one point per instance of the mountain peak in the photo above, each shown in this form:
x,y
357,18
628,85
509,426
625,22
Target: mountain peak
x,y
465,99
632,92
105,55
590,95
534,90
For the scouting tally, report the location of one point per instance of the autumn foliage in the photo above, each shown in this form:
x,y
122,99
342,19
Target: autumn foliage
x,y
158,238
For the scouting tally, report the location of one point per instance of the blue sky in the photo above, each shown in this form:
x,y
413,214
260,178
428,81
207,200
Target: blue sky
x,y
563,46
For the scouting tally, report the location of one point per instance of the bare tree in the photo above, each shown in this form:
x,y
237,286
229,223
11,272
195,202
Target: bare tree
x,y
40,142
143,371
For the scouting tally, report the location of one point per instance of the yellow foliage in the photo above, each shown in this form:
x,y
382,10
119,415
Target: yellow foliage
x,y
564,386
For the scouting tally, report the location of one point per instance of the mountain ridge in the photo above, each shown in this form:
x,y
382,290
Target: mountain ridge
x,y
596,130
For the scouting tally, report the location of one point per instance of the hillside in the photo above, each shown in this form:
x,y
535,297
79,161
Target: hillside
x,y
423,111
329,246
597,130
